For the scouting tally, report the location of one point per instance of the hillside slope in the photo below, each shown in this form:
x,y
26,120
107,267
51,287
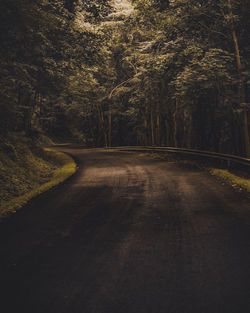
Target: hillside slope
x,y
27,169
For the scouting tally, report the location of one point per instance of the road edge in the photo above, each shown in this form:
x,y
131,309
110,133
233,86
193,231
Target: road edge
x,y
66,170
234,180
225,176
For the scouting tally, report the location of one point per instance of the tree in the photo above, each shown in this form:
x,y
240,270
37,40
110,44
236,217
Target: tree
x,y
154,72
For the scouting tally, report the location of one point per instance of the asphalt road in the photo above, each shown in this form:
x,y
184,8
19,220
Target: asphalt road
x,y
128,234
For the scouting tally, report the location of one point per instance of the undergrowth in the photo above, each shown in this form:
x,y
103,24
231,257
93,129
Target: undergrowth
x,y
233,179
27,170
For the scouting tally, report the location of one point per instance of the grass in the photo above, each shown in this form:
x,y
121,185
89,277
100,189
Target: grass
x,y
27,171
234,180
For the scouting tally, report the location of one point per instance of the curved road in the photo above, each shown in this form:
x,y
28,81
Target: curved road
x,y
128,234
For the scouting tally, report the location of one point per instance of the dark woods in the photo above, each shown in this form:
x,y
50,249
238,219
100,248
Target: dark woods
x,y
165,73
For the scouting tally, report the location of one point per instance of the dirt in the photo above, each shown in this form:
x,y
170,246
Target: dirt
x,y
128,234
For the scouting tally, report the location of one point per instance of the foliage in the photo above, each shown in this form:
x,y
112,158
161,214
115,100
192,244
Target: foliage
x,y
132,72
26,172
234,180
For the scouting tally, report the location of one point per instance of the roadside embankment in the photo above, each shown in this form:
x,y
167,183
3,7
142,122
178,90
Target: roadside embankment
x,y
233,179
27,170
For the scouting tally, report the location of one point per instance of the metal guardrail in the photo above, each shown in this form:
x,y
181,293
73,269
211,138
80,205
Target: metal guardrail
x,y
228,158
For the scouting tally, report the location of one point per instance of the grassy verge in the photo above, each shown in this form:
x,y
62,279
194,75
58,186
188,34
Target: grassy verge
x,y
26,172
233,179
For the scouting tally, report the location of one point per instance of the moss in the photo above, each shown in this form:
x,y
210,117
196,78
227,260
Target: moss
x,y
233,179
27,170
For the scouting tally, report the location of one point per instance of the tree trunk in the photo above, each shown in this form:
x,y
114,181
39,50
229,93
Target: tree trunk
x,y
102,123
158,124
189,132
152,125
110,129
91,129
175,122
145,123
167,133
246,133
241,93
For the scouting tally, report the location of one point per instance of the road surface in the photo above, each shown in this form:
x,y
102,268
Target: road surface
x,y
128,234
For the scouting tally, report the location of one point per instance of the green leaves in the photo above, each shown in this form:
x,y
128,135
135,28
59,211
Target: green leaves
x,y
213,69
157,69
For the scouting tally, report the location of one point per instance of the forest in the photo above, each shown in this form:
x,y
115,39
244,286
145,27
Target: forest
x,y
142,72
